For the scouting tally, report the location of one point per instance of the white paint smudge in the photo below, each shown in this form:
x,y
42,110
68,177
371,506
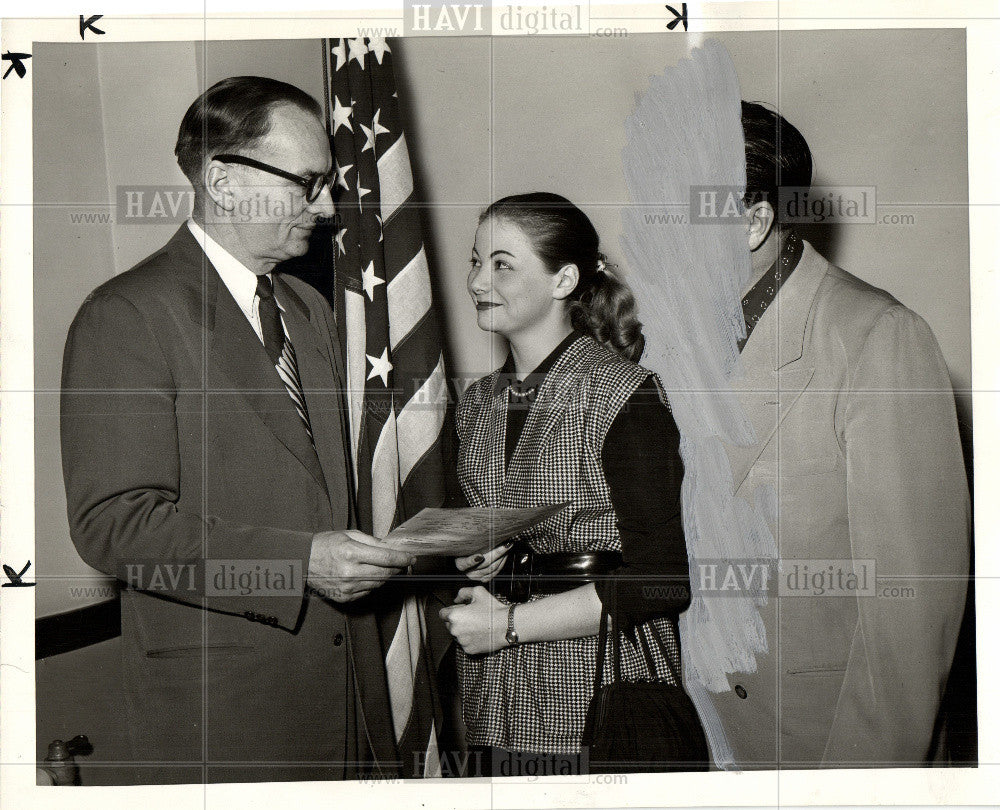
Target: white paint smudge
x,y
688,279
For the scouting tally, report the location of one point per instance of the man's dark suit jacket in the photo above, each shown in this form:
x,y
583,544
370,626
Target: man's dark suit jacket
x,y
182,448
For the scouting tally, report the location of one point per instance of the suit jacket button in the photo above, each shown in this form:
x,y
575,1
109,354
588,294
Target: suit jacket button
x,y
741,693
250,615
338,639
272,620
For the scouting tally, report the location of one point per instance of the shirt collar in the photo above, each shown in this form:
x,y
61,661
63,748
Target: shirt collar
x,y
240,280
763,293
525,390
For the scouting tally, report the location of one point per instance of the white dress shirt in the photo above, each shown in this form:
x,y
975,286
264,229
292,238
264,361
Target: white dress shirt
x,y
238,278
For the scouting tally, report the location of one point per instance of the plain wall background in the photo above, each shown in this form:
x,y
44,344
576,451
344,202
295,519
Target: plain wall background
x,y
884,108
487,118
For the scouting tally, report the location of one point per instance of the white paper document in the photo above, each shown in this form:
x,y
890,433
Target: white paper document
x,y
460,532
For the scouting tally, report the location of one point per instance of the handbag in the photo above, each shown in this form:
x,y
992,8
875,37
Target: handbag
x,y
644,727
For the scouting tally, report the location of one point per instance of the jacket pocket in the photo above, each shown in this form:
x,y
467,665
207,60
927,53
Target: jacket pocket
x,y
817,670
206,650
789,467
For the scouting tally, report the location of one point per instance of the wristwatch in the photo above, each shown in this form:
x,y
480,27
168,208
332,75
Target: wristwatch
x,y
511,632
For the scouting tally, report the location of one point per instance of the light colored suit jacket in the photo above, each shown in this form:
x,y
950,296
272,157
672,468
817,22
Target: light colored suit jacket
x,y
857,449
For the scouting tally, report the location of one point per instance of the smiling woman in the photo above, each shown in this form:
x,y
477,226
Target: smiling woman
x,y
568,417
543,264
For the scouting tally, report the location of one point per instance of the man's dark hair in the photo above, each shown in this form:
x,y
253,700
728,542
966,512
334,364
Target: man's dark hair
x,y
231,116
776,153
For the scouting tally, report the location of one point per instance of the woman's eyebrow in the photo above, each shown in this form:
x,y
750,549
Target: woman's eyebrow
x,y
495,252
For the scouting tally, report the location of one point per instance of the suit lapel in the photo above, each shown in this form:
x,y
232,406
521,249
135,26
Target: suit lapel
x,y
767,396
775,370
321,387
238,365
240,356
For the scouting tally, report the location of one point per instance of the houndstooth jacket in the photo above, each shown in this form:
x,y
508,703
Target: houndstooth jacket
x,y
534,696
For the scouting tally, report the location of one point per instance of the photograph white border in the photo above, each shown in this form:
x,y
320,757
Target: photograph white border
x,y
252,20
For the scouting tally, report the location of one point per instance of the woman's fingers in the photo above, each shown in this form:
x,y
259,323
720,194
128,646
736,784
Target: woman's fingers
x,y
482,561
496,553
465,564
465,595
486,574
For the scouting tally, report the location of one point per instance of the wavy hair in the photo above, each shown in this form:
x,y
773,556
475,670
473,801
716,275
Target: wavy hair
x,y
601,305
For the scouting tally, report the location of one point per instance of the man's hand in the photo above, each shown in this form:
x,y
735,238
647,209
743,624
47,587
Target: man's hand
x,y
344,566
483,567
477,620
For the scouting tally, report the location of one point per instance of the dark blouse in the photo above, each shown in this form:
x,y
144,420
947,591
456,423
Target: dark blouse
x,y
644,471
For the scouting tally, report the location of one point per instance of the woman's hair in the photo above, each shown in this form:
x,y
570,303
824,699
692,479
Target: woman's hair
x,y
601,305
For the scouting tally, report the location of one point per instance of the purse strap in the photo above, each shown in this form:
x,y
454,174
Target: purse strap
x,y
643,642
602,643
648,653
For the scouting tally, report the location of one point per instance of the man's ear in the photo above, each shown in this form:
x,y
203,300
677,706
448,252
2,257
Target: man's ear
x,y
217,185
760,220
567,277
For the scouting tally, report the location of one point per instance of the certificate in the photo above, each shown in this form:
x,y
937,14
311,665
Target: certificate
x,y
460,532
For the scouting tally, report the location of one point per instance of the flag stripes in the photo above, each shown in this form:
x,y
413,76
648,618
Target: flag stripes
x,y
395,369
395,165
409,295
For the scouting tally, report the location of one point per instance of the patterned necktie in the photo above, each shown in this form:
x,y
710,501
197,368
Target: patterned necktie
x,y
279,348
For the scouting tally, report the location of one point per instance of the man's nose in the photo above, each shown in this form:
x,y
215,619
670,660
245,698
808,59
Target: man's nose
x,y
322,207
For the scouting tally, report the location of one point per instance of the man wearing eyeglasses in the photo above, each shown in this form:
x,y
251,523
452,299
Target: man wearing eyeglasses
x,y
206,463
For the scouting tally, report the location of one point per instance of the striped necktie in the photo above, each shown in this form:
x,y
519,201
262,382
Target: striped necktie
x,y
279,348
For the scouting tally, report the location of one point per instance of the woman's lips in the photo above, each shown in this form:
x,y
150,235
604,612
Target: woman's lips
x,y
482,306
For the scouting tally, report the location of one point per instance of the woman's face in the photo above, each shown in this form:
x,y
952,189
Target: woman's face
x,y
509,284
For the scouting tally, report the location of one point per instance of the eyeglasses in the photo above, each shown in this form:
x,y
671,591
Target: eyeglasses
x,y
312,183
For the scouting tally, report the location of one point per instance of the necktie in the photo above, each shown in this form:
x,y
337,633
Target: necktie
x,y
279,348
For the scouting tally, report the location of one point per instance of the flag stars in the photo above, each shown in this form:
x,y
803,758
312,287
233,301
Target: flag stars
x,y
373,133
379,227
358,50
342,175
380,367
339,239
339,52
371,281
378,48
341,116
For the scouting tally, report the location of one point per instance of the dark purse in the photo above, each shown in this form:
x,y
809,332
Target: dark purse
x,y
645,727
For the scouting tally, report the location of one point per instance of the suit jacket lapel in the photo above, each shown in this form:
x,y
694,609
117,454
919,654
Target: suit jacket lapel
x,y
238,365
767,395
775,373
323,391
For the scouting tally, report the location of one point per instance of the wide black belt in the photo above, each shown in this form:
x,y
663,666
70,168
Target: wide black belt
x,y
527,572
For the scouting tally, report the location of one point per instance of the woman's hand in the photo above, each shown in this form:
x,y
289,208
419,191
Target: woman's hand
x,y
483,567
477,620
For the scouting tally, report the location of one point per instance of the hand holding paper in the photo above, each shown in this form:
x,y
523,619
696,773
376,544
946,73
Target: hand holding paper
x,y
460,532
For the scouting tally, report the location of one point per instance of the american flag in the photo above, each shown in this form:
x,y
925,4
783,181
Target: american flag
x,y
397,394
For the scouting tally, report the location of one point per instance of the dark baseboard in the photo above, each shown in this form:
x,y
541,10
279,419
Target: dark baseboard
x,y
65,632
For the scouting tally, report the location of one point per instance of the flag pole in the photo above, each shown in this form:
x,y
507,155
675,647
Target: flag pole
x,y
325,44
